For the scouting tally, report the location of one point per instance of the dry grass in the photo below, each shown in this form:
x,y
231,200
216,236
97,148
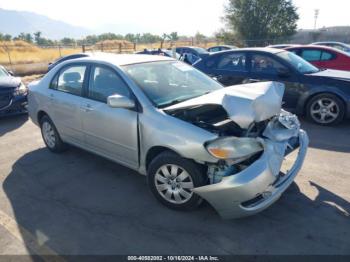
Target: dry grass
x,y
29,59
28,79
23,53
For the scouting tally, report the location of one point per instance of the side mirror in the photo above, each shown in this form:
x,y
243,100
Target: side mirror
x,y
118,101
11,73
283,72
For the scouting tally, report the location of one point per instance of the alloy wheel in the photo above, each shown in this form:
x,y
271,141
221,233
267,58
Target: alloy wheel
x,y
324,110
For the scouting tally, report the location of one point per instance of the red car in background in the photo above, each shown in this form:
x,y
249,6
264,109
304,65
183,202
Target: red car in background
x,y
323,56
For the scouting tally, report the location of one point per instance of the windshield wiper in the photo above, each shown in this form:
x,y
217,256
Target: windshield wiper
x,y
172,102
178,100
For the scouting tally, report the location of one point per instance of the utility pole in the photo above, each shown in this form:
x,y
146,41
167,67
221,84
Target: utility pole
x,y
317,12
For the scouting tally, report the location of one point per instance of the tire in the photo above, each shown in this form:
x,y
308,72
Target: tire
x,y
189,175
51,136
325,109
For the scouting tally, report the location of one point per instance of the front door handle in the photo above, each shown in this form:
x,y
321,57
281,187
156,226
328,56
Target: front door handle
x,y
87,108
52,97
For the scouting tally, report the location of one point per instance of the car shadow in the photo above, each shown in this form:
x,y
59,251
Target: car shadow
x,y
10,123
332,138
79,203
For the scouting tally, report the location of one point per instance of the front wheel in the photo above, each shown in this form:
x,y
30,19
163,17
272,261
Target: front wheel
x,y
172,178
325,109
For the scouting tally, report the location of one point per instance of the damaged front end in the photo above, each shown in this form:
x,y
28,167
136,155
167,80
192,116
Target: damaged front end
x,y
248,187
254,136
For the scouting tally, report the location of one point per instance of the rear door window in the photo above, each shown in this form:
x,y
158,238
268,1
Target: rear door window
x,y
266,65
327,56
232,62
71,79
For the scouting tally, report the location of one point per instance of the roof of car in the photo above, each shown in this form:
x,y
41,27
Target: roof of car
x,y
329,42
252,49
321,47
222,46
125,59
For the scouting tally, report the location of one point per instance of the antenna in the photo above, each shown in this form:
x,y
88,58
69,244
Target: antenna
x,y
317,12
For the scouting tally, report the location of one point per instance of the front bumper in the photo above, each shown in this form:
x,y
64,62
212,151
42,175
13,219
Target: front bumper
x,y
16,105
259,185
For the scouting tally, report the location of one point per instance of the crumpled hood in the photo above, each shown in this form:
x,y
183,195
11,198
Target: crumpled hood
x,y
9,82
334,74
244,104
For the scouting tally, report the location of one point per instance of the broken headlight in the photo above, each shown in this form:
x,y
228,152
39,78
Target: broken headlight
x,y
289,120
20,90
234,147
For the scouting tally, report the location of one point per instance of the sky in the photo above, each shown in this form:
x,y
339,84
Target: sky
x,y
158,16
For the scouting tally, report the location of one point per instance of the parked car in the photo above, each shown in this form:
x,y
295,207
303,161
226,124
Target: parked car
x,y
191,54
323,56
323,95
163,52
282,46
219,48
337,45
13,94
65,58
193,138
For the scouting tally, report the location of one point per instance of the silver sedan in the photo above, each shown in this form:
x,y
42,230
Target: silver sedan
x,y
191,137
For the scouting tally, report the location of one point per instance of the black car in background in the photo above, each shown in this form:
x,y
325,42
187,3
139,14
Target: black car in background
x,y
161,52
219,48
323,95
191,54
13,94
65,58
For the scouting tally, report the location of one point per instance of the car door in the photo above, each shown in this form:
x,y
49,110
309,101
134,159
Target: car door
x,y
111,132
266,67
65,95
229,68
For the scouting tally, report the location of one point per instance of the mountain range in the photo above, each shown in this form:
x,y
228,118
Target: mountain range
x,y
15,22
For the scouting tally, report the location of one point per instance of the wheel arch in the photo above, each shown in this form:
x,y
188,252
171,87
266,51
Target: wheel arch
x,y
40,115
154,151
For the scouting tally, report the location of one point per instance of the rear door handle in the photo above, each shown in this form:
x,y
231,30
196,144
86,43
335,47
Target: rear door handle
x,y
52,97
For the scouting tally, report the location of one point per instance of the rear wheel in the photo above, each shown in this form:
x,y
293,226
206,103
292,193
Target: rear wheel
x,y
172,178
50,136
326,109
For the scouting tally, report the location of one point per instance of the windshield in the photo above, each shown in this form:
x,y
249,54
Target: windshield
x,y
170,82
298,63
3,72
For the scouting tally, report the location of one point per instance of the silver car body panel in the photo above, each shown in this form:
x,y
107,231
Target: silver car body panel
x,y
131,142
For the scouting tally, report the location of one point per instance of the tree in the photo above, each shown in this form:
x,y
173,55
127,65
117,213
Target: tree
x,y
260,22
37,38
21,36
174,36
199,37
67,41
7,37
29,38
227,37
130,38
